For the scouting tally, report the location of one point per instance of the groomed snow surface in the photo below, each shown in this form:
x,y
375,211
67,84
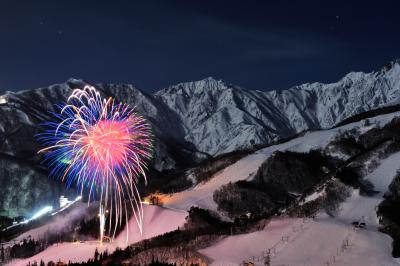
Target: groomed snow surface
x,y
322,241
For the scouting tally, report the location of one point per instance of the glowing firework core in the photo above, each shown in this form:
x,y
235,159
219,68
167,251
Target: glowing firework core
x,y
103,146
107,143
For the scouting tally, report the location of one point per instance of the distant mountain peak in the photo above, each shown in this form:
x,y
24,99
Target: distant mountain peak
x,y
74,80
206,82
390,65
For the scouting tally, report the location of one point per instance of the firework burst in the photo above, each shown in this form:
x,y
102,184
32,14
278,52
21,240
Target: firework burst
x,y
101,145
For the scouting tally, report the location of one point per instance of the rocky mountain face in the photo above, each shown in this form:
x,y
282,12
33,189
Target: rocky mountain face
x,y
218,117
192,120
22,186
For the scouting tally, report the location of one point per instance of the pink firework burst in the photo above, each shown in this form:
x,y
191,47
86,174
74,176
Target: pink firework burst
x,y
98,144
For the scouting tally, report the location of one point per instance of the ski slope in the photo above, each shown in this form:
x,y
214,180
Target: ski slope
x,y
322,241
80,211
245,168
157,221
282,234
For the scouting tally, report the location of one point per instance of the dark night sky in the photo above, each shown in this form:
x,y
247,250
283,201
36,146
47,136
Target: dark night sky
x,y
152,44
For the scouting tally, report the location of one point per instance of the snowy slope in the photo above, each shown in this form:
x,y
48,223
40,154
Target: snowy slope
x,y
60,223
201,195
319,241
156,221
235,249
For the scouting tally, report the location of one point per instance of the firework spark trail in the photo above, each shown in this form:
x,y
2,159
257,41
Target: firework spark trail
x,y
102,221
101,145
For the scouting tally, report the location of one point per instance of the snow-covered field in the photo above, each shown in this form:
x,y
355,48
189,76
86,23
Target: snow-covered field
x,y
322,241
157,221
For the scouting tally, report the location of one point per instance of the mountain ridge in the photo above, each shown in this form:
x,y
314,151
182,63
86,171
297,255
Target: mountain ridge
x,y
193,120
274,114
217,117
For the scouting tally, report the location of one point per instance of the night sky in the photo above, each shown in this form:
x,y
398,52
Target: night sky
x,y
153,44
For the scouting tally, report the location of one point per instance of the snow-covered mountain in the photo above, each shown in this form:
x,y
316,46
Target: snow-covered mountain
x,y
196,119
23,112
219,117
214,117
318,239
